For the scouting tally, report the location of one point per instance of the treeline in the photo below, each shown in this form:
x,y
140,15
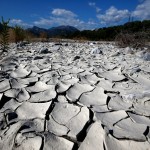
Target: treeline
x,y
110,33
134,34
105,34
16,34
11,34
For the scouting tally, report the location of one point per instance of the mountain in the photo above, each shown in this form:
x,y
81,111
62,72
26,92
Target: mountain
x,y
36,30
60,31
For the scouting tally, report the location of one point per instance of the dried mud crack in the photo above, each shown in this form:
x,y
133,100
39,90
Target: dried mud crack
x,y
73,97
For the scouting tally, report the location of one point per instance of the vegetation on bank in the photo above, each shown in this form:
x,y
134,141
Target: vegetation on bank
x,y
110,33
130,34
4,41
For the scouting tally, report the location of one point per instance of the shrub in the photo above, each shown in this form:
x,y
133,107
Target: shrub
x,y
4,35
134,40
11,35
44,37
19,33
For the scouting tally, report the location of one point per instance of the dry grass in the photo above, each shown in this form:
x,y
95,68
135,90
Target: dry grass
x,y
11,36
134,40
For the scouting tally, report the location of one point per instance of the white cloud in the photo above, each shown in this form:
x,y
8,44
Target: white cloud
x,y
19,22
58,20
43,21
142,11
94,6
91,4
63,13
64,17
98,9
91,22
113,15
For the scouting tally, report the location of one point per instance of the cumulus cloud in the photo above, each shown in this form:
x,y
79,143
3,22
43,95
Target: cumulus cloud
x,y
43,21
113,15
19,22
142,11
58,21
63,13
64,17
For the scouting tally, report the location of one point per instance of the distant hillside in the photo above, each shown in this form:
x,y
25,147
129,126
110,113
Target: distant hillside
x,y
105,33
36,30
109,33
60,31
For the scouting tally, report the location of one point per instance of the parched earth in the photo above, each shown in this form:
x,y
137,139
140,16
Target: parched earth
x,y
74,96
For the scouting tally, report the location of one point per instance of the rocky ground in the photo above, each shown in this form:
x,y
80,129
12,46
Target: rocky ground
x,y
74,96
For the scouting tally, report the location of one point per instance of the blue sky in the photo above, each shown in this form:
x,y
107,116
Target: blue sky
x,y
83,14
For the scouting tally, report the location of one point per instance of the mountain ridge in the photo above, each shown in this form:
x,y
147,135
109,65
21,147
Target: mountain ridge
x,y
54,31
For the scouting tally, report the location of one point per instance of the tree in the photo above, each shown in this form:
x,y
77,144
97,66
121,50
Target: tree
x,y
4,35
19,34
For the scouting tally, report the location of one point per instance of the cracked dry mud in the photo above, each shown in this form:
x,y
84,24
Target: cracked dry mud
x,y
70,97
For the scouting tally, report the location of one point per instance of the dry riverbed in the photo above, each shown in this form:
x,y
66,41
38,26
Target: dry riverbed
x,y
74,96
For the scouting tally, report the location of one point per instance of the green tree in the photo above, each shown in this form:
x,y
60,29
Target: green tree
x,y
4,35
